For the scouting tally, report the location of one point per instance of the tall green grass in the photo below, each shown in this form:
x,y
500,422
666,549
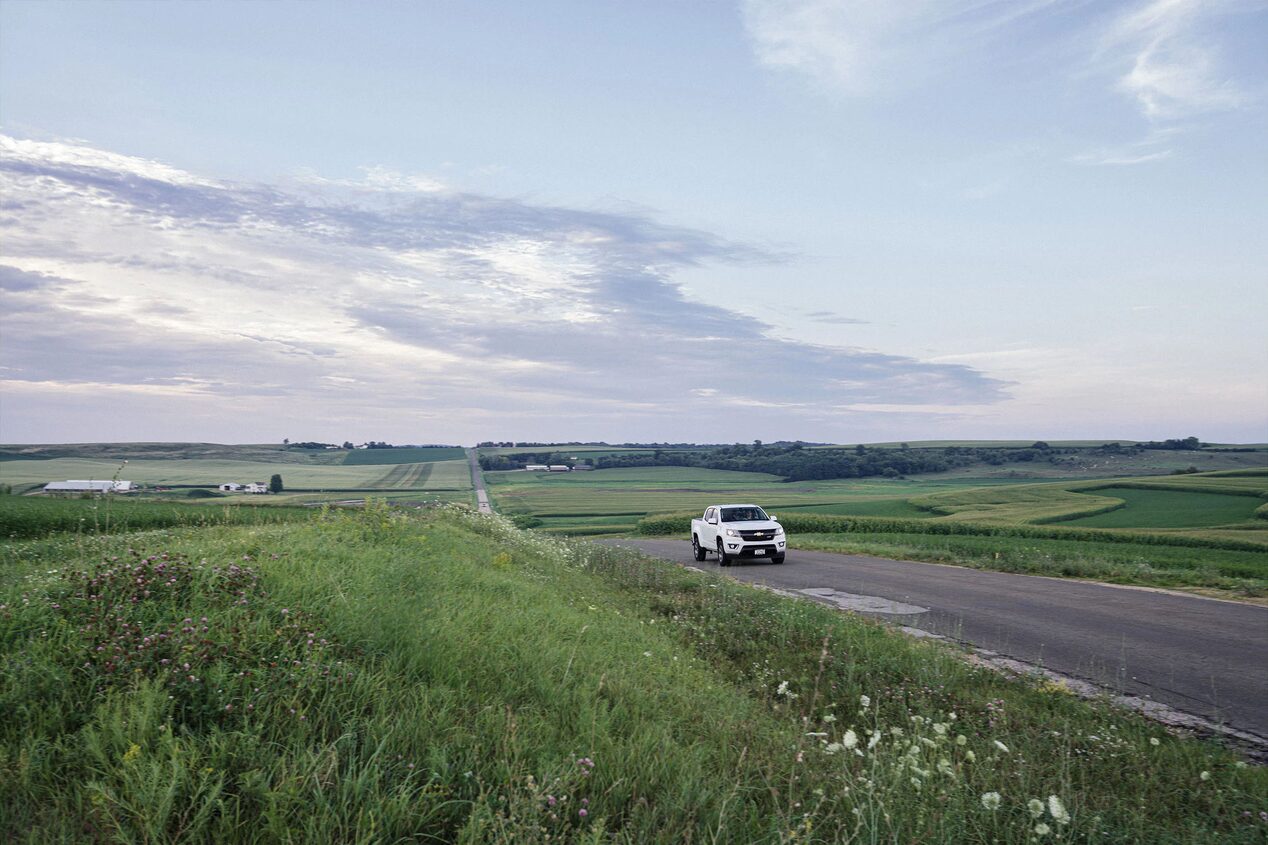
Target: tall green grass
x,y
26,516
379,678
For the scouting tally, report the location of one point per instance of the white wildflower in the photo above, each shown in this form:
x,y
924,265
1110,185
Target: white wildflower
x,y
961,739
990,800
1042,829
829,718
1058,810
1035,806
850,739
1001,746
1205,776
970,756
1153,740
832,748
865,702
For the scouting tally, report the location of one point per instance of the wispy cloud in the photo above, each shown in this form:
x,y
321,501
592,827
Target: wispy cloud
x,y
851,46
394,299
1174,68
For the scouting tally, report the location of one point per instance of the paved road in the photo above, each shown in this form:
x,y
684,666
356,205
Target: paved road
x,y
477,479
1200,656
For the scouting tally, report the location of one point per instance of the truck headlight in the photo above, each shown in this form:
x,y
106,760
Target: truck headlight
x,y
731,532
778,530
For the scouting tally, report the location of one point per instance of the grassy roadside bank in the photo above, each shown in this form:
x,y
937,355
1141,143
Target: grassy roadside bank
x,y
383,677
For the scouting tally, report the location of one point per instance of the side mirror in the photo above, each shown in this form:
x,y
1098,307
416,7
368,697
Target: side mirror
x,y
713,522
773,518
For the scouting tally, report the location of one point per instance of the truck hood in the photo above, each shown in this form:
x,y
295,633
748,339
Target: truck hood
x,y
751,525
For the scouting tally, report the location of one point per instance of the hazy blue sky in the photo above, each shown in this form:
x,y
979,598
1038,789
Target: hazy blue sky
x,y
633,221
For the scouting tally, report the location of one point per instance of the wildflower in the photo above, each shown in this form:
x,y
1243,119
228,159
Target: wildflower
x,y
970,756
829,718
990,800
832,748
582,812
865,702
1042,829
1204,776
961,739
850,739
1001,746
1058,810
1153,740
1035,806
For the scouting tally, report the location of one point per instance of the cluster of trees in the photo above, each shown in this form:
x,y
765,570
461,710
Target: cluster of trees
x,y
1188,444
493,463
795,463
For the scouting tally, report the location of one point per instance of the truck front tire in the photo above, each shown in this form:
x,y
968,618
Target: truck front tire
x,y
723,558
696,551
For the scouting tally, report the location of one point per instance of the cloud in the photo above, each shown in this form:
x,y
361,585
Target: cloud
x,y
852,46
1173,61
835,319
389,304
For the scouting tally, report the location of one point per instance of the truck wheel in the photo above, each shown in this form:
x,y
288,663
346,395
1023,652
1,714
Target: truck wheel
x,y
696,551
778,558
723,559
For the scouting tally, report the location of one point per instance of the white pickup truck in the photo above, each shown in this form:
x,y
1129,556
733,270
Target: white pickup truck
x,y
737,531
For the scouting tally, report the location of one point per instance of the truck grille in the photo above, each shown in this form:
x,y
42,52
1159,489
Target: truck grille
x,y
764,534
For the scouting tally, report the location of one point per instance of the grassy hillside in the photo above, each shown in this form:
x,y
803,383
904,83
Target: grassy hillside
x,y
377,678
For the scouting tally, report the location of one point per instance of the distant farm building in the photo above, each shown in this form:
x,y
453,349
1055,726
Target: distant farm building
x,y
89,487
255,486
582,467
560,468
537,468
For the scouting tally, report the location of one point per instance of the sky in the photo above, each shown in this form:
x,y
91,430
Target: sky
x,y
633,222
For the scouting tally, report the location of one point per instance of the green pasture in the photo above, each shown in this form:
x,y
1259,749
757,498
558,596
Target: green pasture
x,y
380,457
1171,509
580,502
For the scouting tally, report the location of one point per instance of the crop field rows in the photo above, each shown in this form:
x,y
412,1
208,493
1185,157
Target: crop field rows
x,y
25,475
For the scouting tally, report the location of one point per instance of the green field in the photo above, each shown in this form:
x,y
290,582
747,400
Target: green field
x,y
29,516
376,677
579,502
29,474
1171,509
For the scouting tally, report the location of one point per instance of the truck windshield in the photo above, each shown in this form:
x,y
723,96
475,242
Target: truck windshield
x,y
743,514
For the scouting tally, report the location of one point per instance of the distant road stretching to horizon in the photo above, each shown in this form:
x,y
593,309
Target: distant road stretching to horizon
x,y
477,481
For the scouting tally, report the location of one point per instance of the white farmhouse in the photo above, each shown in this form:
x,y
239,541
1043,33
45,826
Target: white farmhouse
x,y
256,487
231,487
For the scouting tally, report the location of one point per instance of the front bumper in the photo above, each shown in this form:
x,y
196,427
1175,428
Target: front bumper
x,y
740,548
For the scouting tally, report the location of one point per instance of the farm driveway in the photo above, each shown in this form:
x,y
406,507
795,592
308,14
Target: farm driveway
x,y
1200,656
